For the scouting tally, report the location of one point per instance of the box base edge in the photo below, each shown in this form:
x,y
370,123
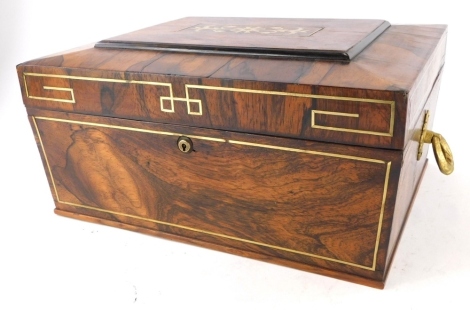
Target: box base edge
x,y
279,261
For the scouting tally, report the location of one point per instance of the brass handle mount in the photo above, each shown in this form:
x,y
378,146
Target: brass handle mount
x,y
441,149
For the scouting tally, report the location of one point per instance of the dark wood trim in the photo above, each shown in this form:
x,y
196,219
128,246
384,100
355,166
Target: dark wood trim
x,y
329,39
357,49
342,56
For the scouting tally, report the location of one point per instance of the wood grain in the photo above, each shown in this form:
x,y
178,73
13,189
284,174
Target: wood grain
x,y
326,204
392,62
307,164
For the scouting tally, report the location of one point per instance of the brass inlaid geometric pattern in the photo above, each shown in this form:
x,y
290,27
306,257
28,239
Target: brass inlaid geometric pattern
x,y
163,99
387,167
167,103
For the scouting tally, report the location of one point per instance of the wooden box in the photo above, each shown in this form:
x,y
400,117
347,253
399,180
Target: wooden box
x,y
292,141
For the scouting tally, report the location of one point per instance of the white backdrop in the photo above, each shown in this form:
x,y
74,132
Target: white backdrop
x,y
59,263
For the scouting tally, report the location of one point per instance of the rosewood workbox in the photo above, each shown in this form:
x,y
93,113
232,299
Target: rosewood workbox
x,y
294,141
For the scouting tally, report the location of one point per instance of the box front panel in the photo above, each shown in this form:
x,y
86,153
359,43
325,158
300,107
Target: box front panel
x,y
307,202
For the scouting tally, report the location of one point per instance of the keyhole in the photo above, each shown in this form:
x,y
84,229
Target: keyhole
x,y
185,144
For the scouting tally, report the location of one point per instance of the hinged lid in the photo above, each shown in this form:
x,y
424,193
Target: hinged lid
x,y
375,100
332,39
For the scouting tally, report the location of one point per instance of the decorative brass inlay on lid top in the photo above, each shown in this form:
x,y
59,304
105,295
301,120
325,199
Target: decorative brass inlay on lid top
x,y
262,30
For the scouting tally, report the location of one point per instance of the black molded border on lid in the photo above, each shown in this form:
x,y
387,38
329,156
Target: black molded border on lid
x,y
306,54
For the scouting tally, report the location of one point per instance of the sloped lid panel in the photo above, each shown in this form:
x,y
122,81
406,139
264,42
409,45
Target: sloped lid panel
x,y
331,39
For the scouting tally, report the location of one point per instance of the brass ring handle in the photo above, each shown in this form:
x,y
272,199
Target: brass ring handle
x,y
442,151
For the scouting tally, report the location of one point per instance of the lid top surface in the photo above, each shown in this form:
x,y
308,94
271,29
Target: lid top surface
x,y
333,39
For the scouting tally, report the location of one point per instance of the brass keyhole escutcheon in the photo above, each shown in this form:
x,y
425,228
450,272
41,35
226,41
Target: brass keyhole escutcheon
x,y
185,144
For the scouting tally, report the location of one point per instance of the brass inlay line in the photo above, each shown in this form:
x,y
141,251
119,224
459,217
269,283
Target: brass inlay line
x,y
314,112
332,113
269,92
72,100
188,104
387,176
87,78
219,235
392,119
45,157
188,100
167,133
186,91
384,199
267,146
199,112
25,85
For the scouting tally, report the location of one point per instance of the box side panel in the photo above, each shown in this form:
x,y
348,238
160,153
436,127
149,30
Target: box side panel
x,y
411,172
424,84
323,205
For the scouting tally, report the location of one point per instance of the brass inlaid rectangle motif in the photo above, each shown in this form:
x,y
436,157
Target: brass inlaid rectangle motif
x,y
51,93
388,133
